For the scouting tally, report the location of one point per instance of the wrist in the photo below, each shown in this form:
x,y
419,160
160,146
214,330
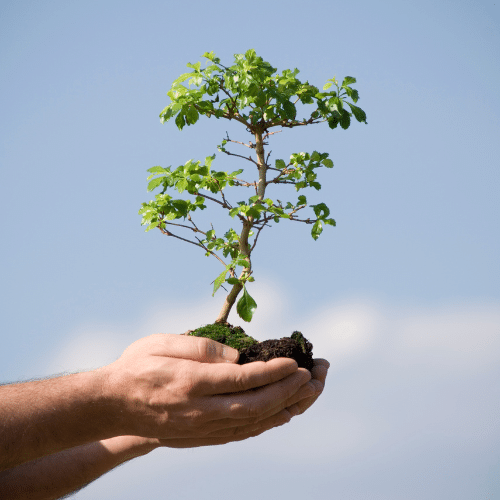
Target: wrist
x,y
43,417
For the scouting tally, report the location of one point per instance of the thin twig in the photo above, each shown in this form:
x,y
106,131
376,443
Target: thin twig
x,y
210,252
228,205
194,229
168,233
241,182
197,193
271,133
306,221
250,145
249,158
257,236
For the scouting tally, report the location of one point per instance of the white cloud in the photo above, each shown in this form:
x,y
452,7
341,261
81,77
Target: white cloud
x,y
90,346
454,338
401,379
345,332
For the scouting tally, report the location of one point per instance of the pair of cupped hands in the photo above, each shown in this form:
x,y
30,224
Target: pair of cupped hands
x,y
183,391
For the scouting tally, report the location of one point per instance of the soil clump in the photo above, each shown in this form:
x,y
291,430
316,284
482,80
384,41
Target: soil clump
x,y
296,346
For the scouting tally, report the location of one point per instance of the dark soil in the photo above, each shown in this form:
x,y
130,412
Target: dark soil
x,y
296,346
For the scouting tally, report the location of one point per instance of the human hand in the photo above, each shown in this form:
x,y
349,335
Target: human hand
x,y
201,401
292,409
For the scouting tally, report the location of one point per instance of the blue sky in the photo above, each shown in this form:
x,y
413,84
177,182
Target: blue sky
x,y
402,296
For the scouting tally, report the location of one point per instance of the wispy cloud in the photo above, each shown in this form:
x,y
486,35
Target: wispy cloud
x,y
403,381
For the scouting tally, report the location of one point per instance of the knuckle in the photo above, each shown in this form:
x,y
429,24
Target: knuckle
x,y
306,375
240,381
202,348
255,409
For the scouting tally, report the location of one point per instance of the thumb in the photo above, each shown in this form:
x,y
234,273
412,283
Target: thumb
x,y
215,352
193,348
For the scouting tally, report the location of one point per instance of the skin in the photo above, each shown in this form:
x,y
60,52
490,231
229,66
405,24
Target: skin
x,y
58,435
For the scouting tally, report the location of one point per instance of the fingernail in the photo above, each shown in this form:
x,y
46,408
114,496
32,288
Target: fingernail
x,y
229,354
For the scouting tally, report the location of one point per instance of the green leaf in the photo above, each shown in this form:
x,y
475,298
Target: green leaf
x,y
321,210
192,115
358,113
152,226
221,278
181,185
253,212
182,78
156,170
327,163
348,80
280,164
333,122
233,281
260,99
154,183
317,229
290,110
241,262
196,66
246,306
180,121
172,216
345,121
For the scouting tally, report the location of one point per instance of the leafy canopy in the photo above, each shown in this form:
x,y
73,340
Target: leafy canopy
x,y
253,93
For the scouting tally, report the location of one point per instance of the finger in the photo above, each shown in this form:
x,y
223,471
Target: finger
x,y
234,410
321,362
229,435
259,402
189,347
319,373
280,418
307,393
232,378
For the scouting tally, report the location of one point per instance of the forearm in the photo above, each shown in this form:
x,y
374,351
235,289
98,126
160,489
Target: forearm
x,y
65,472
47,416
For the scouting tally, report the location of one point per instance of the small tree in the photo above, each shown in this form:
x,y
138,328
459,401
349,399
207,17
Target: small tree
x,y
264,102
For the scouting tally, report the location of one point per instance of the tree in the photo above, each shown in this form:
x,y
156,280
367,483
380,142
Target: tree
x,y
250,92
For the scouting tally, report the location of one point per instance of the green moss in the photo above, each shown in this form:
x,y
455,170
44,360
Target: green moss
x,y
300,339
233,336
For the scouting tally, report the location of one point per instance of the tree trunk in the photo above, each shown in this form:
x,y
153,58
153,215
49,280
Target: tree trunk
x,y
244,247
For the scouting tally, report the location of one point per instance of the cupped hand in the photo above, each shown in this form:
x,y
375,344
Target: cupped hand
x,y
179,391
294,406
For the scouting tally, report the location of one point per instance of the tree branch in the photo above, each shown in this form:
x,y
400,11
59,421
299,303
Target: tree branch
x,y
306,221
211,253
290,124
249,158
250,144
241,182
199,244
168,233
257,235
194,229
228,205
223,205
267,134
